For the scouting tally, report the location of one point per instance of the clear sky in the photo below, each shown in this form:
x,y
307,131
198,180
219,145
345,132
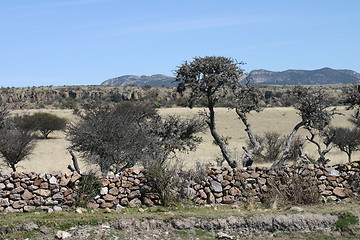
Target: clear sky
x,y
84,42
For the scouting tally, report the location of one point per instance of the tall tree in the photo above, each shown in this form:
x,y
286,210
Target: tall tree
x,y
247,99
210,79
312,106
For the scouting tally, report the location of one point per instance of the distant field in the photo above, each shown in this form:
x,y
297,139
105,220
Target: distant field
x,y
51,155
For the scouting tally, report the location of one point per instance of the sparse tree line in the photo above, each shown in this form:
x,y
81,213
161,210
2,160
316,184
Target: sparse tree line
x,y
118,136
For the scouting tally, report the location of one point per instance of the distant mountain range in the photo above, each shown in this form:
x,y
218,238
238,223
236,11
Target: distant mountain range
x,y
156,80
264,77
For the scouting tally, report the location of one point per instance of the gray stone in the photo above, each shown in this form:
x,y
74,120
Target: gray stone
x,y
42,175
9,186
135,203
62,234
215,186
104,191
19,204
333,172
124,201
4,202
134,194
2,186
30,226
57,209
58,196
29,208
53,180
296,209
17,190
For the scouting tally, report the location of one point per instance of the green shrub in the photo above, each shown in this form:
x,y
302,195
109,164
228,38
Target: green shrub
x,y
90,186
345,221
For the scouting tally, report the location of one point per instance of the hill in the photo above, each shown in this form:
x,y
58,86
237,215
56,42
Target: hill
x,y
265,77
305,77
156,80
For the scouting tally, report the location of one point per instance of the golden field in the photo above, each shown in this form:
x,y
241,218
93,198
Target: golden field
x,y
51,155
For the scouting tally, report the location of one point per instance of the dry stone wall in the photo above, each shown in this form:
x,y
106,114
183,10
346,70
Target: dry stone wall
x,y
26,191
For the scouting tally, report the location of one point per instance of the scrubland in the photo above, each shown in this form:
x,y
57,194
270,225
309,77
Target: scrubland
x,y
51,155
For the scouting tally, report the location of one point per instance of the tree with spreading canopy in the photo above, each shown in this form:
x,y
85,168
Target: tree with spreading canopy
x,y
43,122
212,79
312,106
118,137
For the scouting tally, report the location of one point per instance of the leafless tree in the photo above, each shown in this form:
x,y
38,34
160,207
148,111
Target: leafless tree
x,y
212,79
312,106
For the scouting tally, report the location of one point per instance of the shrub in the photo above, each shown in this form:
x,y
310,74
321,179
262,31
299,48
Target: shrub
x,y
90,186
294,190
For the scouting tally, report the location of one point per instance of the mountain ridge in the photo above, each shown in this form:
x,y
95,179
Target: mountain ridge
x,y
320,76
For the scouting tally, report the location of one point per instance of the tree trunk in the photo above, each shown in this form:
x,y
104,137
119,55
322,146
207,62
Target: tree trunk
x,y
349,155
13,168
218,139
249,153
286,153
75,162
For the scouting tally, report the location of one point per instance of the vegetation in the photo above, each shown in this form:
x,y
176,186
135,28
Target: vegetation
x,y
347,140
118,137
16,144
312,107
45,123
210,79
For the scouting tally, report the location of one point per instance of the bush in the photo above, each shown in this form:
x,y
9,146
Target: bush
x,y
90,186
293,190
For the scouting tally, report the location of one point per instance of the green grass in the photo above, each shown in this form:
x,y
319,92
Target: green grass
x,y
11,224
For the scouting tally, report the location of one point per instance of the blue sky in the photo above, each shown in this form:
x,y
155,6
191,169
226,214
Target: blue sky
x,y
84,42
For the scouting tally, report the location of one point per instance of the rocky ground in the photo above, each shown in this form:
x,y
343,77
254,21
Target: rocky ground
x,y
295,225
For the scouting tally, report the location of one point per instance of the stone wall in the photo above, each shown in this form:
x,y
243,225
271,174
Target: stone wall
x,y
27,191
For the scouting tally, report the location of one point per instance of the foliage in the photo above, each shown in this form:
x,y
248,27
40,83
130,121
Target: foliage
x,y
116,137
312,106
45,123
90,186
210,79
16,144
293,190
168,135
273,144
347,140
345,221
111,137
163,178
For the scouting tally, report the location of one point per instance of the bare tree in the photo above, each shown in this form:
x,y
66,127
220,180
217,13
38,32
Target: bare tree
x,y
212,79
312,107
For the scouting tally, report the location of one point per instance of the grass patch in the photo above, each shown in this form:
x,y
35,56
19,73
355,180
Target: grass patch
x,y
346,221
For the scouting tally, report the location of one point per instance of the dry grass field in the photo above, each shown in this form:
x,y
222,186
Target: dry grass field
x,y
51,155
